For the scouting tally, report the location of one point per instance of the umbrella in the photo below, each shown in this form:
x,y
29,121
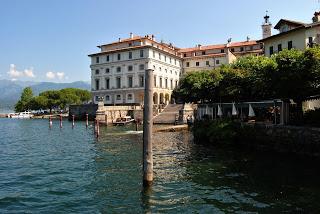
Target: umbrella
x,y
219,111
251,112
234,110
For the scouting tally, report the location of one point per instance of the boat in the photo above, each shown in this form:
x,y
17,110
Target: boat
x,y
123,121
21,115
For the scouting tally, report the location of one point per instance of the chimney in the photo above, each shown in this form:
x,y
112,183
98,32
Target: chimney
x,y
316,17
199,46
248,38
131,35
119,39
152,37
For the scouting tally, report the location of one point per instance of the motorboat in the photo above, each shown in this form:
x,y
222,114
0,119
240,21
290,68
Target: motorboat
x,y
21,115
123,121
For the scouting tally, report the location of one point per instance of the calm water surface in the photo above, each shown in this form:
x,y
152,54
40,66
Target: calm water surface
x,y
69,171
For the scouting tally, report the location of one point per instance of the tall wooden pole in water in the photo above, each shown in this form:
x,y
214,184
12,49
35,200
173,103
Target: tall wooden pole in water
x,y
147,129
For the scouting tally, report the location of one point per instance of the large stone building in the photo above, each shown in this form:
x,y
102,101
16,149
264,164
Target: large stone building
x,y
117,71
212,56
292,34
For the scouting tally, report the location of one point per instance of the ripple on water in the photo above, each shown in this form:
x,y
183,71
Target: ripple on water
x,y
69,171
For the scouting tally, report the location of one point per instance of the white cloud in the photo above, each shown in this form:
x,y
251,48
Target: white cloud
x,y
14,73
29,72
50,75
60,75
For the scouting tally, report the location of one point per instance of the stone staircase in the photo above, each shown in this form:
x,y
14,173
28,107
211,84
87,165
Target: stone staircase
x,y
169,115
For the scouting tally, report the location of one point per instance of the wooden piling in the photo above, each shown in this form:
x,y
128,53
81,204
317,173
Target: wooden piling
x,y
147,129
73,121
50,122
98,128
60,121
87,120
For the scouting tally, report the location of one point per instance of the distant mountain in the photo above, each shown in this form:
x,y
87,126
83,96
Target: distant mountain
x,y
10,91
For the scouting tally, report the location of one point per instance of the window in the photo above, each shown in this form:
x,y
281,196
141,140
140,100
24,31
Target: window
x,y
108,58
170,59
97,72
159,68
279,47
271,50
154,54
118,81
241,49
170,71
188,64
130,68
175,61
97,84
166,70
130,82
222,50
171,84
184,55
165,58
166,83
141,53
289,45
160,82
197,63
130,55
118,97
251,48
141,81
107,70
97,98
176,83
97,59
141,67
119,56
207,63
118,69
107,83
107,98
232,49
130,44
217,62
203,53
155,81
129,96
160,56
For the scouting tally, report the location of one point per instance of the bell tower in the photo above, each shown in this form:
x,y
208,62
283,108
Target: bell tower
x,y
266,27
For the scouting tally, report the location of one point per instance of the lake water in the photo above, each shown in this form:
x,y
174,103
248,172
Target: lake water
x,y
70,171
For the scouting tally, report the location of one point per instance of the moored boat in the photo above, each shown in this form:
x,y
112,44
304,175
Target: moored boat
x,y
21,115
123,121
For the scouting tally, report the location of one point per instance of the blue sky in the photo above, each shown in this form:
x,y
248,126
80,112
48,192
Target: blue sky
x,y
44,40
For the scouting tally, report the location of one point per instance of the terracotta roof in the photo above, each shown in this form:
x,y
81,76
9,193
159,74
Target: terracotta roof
x,y
220,46
245,43
134,38
202,48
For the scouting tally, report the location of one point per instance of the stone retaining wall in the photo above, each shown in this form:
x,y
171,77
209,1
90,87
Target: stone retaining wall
x,y
300,140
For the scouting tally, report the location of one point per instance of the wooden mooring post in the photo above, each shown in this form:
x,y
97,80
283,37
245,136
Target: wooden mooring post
x,y
72,121
147,129
87,120
60,121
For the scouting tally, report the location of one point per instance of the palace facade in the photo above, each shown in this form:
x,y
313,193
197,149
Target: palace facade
x,y
117,71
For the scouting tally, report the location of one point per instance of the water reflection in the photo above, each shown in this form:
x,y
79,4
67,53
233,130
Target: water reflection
x,y
69,170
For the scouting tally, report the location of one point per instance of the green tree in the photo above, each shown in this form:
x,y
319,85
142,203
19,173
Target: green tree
x,y
53,99
24,103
